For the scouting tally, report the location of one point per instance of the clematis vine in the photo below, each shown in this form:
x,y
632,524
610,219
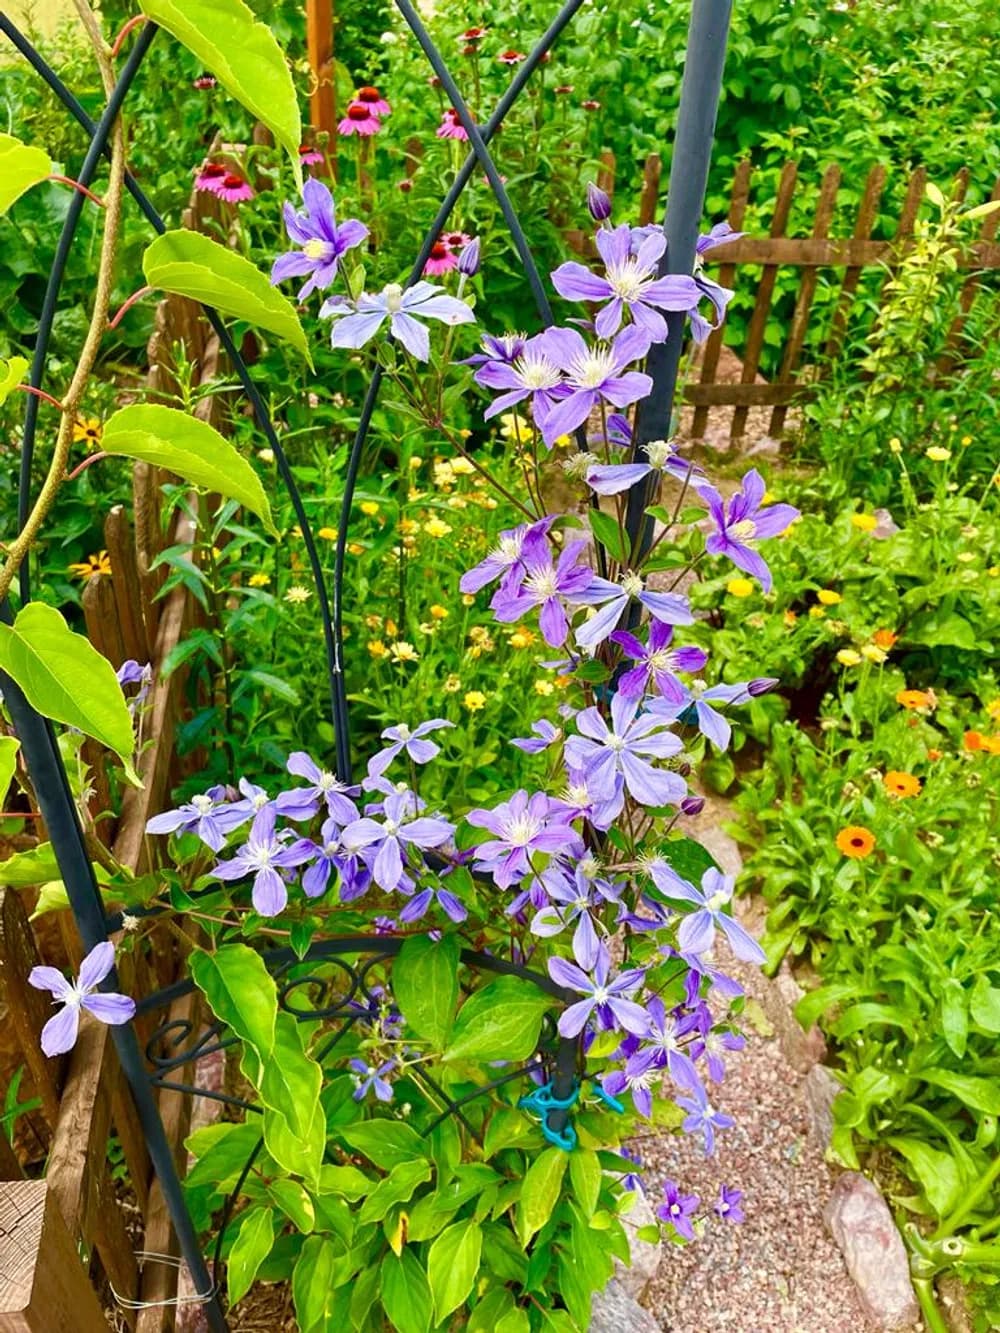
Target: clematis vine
x,y
262,857
743,523
356,323
321,242
697,930
60,1032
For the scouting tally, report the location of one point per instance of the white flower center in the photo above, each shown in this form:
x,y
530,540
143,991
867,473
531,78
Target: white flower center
x,y
601,995
661,660
203,804
718,901
582,903
391,828
616,743
260,800
698,687
393,298
509,549
544,584
403,732
329,782
519,830
627,279
592,369
331,848
314,248
260,855
578,794
644,1080
536,371
632,584
745,530
589,867
659,452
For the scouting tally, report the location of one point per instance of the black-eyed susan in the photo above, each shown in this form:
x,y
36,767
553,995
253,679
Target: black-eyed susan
x,y
88,431
99,563
901,785
856,842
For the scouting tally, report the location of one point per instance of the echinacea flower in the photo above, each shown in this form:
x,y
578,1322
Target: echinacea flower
x,y
608,999
404,308
60,1032
451,126
234,188
630,283
744,523
677,1209
511,57
262,856
309,156
322,242
373,100
697,930
210,177
855,841
901,785
359,119
440,260
204,82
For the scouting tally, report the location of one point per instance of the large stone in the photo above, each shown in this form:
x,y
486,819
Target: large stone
x,y
801,1049
645,1255
615,1311
861,1224
820,1089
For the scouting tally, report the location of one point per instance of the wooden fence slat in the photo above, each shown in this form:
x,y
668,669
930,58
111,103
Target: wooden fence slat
x,y
825,208
28,1009
650,197
867,213
801,252
100,615
710,361
745,395
43,1286
320,45
606,172
970,287
765,294
126,585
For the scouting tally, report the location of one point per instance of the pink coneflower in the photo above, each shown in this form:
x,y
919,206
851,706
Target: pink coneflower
x,y
359,119
373,100
563,88
234,188
456,240
473,34
205,81
545,57
441,260
471,50
451,127
591,105
434,81
309,155
511,57
210,177
406,185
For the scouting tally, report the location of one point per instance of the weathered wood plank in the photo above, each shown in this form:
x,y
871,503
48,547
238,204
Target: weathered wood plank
x,y
970,287
126,586
867,213
320,46
807,252
43,1285
744,395
650,197
28,1009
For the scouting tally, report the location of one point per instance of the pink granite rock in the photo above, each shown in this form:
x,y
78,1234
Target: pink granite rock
x,y
860,1222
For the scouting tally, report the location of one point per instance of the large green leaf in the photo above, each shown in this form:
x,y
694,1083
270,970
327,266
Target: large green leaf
x,y
319,1306
980,1094
189,447
193,265
425,985
241,992
540,1192
452,1265
937,1172
250,1248
222,1151
386,1143
21,167
406,1293
290,1082
65,678
9,746
243,55
499,1022
295,1202
11,375
397,1187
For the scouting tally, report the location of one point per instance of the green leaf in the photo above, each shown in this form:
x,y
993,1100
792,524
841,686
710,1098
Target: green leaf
x,y
319,1307
540,1192
189,447
11,372
937,1172
955,1016
222,1151
243,55
192,265
385,1143
9,746
65,678
293,1199
688,858
452,1265
406,1293
981,1094
290,1083
500,1022
585,1176
347,1182
26,869
241,992
250,1248
984,1005
397,1187
495,1305
605,529
425,985
21,167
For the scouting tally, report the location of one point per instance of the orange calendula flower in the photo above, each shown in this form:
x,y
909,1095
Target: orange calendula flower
x,y
934,754
92,566
884,638
901,784
991,744
973,740
916,698
855,842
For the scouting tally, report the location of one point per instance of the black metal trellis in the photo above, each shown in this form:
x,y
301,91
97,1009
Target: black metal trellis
x,y
692,147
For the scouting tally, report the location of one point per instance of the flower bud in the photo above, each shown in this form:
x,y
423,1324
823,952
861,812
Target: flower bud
x,y
468,260
692,805
598,203
762,685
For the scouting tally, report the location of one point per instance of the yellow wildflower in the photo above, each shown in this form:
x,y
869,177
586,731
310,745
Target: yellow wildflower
x,y
328,534
474,700
401,651
563,682
864,522
739,587
966,557
415,462
789,618
462,466
368,507
452,684
817,612
848,657
874,653
937,454
297,594
895,445
377,648
259,580
457,502
468,599
266,455
437,528
544,688
966,439
87,430
355,548
99,563
391,628
407,526
828,597
522,638
439,612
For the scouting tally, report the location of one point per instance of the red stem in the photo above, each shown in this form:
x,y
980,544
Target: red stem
x,y
132,23
82,467
40,393
68,180
136,296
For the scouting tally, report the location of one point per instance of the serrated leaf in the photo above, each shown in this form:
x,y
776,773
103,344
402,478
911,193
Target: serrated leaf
x,y
189,447
65,678
425,985
21,167
193,265
500,1022
243,55
11,373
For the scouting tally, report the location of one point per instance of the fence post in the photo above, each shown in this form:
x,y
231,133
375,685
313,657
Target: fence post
x,y
43,1285
319,39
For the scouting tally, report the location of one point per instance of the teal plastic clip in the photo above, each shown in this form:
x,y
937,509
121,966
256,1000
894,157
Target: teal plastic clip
x,y
545,1102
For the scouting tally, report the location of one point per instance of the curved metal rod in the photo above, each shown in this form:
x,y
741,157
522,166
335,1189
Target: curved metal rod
x,y
95,151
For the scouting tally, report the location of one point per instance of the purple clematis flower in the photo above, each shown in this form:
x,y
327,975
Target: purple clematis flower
x,y
669,607
401,738
744,524
505,561
326,788
608,998
322,242
574,898
545,735
261,856
718,296
254,800
658,662
382,844
60,1032
630,283
418,905
404,308
208,816
697,930
369,1078
632,1181
332,857
639,1076
712,1043
665,1044
520,826
625,747
695,706
702,1117
593,375
503,349
596,797
521,368
663,457
698,970
728,1206
546,584
677,1209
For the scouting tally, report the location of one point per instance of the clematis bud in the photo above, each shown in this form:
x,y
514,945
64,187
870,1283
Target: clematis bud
x,y
692,805
468,260
598,202
761,685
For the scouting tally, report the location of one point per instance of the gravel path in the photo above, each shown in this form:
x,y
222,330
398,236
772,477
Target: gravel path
x,y
778,1272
